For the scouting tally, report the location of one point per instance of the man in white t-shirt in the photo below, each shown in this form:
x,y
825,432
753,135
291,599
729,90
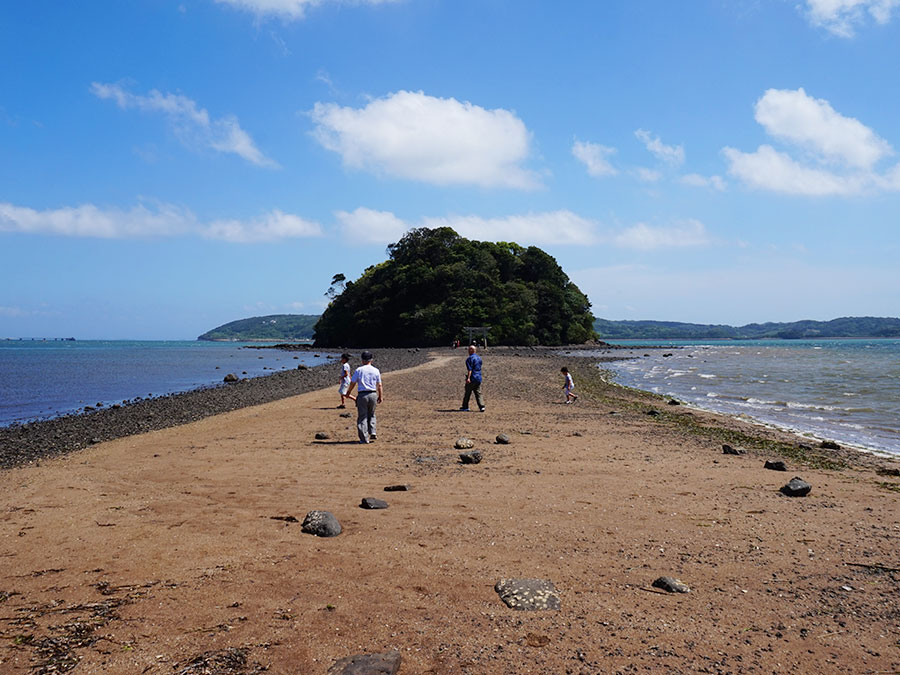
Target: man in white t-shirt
x,y
367,379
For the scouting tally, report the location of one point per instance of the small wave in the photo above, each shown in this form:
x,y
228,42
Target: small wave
x,y
706,377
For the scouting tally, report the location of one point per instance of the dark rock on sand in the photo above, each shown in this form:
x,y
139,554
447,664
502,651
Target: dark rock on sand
x,y
464,444
348,415
473,457
653,412
321,524
729,450
367,664
322,436
372,503
888,472
775,465
230,377
397,488
671,585
829,445
528,595
797,487
672,401
502,439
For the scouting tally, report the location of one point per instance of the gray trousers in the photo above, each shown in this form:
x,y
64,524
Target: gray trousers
x,y
473,387
365,414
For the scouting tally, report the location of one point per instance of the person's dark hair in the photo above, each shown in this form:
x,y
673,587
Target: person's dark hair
x,y
345,355
564,370
367,356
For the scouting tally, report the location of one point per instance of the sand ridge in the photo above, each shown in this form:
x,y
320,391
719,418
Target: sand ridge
x,y
170,545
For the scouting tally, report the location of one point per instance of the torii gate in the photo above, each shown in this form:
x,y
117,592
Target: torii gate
x,y
471,330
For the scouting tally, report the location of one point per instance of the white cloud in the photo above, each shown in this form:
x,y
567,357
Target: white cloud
x,y
273,226
769,169
161,220
691,233
647,175
815,126
696,180
88,220
670,154
290,9
840,153
367,226
840,17
553,227
435,140
191,124
595,157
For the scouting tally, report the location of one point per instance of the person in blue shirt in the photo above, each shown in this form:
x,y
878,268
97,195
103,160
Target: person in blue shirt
x,y
473,380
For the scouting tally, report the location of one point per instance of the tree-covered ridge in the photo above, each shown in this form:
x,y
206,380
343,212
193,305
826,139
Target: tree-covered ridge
x,y
273,327
435,282
845,327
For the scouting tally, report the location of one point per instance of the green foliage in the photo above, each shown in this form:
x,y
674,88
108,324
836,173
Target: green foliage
x,y
275,327
846,327
435,282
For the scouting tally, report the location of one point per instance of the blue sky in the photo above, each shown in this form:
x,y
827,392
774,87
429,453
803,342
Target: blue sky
x,y
166,167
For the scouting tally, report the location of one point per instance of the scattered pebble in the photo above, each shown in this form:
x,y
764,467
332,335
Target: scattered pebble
x,y
322,436
464,444
797,487
829,445
397,488
473,457
502,439
671,585
387,663
372,503
730,450
528,594
321,524
775,465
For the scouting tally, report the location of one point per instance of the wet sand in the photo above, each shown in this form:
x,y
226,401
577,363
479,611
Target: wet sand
x,y
173,550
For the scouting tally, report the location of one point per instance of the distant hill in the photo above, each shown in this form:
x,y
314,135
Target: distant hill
x,y
846,327
281,327
286,327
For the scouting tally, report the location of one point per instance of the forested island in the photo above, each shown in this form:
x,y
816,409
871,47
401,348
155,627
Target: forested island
x,y
278,327
436,283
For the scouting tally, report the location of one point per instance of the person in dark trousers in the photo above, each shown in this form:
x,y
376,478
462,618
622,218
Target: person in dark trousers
x,y
473,380
367,378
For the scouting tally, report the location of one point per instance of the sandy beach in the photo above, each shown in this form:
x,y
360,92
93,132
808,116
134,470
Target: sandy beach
x,y
180,549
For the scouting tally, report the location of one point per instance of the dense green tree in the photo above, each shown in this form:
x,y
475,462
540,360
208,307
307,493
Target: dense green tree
x,y
435,282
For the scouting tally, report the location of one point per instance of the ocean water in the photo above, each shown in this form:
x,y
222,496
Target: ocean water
x,y
843,390
43,379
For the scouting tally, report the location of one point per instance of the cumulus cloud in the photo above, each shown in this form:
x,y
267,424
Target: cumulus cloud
x,y
696,180
769,169
272,226
595,157
690,233
141,221
670,154
841,17
814,125
191,124
839,154
88,220
434,140
646,175
367,226
553,227
290,9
